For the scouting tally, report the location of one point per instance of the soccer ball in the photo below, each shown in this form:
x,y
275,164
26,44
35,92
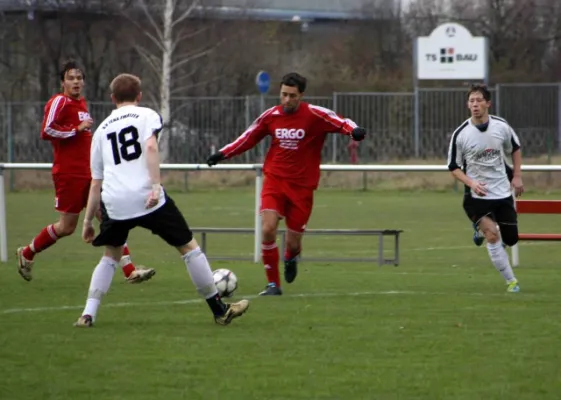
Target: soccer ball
x,y
226,282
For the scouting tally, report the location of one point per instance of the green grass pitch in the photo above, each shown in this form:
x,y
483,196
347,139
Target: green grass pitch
x,y
439,326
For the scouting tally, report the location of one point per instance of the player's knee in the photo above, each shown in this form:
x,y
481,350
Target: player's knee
x,y
269,230
492,235
65,227
509,234
293,241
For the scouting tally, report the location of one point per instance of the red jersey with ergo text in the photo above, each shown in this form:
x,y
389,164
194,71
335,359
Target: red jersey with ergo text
x,y
297,141
63,115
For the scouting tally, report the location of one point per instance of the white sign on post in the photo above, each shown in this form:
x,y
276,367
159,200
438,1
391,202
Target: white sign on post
x,y
451,52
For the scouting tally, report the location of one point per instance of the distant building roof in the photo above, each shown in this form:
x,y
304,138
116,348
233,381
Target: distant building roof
x,y
288,9
259,9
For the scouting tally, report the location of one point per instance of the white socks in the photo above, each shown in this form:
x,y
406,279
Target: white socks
x,y
200,273
99,284
500,260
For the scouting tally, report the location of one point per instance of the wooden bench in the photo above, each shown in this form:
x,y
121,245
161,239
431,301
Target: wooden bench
x,y
381,234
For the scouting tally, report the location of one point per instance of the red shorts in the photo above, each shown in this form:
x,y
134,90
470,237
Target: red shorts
x,y
294,203
71,193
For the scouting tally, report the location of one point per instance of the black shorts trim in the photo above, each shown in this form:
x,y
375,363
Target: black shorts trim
x,y
167,222
501,211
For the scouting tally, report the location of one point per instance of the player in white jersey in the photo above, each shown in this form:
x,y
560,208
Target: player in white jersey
x,y
478,157
125,163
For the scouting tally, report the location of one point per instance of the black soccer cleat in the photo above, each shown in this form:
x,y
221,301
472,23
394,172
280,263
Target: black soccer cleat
x,y
290,270
271,290
478,237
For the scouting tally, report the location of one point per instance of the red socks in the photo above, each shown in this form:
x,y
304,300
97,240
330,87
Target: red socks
x,y
289,254
270,254
128,268
45,239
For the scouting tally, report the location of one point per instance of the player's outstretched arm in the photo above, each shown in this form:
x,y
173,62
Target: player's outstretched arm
x,y
330,122
246,141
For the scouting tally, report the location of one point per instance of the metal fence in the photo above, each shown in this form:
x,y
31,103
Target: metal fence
x,y
404,125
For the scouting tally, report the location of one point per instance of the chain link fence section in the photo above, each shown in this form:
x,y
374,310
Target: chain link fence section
x,y
401,125
387,117
534,111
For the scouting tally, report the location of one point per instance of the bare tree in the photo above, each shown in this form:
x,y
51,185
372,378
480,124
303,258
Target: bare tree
x,y
523,35
172,50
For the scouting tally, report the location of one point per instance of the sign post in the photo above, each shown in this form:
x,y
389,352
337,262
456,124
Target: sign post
x,y
263,82
450,52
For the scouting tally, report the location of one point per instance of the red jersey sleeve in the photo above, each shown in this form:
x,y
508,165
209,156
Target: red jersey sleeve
x,y
330,122
54,127
247,140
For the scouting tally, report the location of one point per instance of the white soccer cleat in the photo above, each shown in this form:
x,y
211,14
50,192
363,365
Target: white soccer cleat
x,y
24,265
234,310
85,321
141,274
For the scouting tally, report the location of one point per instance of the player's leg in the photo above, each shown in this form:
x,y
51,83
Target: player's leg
x,y
69,202
99,285
507,219
49,235
168,223
478,237
481,213
298,212
112,236
273,202
132,274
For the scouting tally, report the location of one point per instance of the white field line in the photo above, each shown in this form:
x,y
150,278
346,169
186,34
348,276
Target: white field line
x,y
300,295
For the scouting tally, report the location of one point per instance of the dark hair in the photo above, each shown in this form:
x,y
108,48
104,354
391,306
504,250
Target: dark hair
x,y
125,87
481,89
294,80
67,66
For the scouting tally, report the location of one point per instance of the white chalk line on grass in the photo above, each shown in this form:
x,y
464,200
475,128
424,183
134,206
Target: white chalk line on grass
x,y
299,295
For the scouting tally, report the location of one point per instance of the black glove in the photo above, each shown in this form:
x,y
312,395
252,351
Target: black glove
x,y
358,134
215,159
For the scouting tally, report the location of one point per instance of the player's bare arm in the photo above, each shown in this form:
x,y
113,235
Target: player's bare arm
x,y
153,163
94,199
517,183
478,187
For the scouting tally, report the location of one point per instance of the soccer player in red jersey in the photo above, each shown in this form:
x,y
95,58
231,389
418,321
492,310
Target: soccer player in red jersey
x,y
67,125
291,169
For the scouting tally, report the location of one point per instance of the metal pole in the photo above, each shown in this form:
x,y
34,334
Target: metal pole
x,y
334,137
417,122
416,106
3,223
559,116
258,233
262,144
498,99
10,143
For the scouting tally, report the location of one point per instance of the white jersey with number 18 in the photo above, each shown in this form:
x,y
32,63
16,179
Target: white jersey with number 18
x,y
118,157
